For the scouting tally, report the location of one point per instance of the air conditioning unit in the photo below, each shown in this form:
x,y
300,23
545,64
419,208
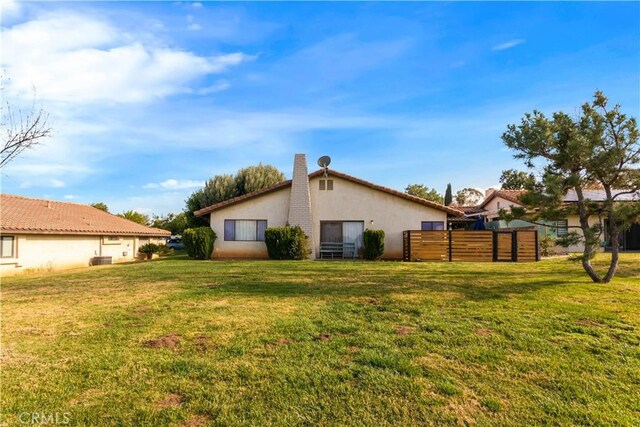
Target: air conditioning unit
x,y
101,260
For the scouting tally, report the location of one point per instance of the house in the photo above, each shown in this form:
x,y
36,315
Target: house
x,y
330,206
495,200
38,234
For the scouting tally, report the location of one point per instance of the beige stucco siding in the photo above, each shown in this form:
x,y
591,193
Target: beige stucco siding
x,y
572,222
274,207
493,207
349,201
43,252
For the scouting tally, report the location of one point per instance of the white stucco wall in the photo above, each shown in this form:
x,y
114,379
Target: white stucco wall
x,y
42,252
274,207
349,201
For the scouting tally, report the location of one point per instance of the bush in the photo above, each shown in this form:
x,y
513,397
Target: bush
x,y
373,244
287,243
199,242
546,245
163,250
149,249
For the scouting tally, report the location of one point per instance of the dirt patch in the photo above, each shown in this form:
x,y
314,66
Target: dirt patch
x,y
404,330
171,400
370,300
140,310
283,341
203,343
588,322
322,337
167,341
353,348
196,421
483,332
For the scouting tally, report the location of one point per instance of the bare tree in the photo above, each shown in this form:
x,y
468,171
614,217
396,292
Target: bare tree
x,y
21,130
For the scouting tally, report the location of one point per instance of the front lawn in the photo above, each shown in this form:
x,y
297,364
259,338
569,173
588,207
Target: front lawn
x,y
180,342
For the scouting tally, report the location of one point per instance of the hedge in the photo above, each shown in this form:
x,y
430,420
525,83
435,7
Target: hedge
x,y
199,242
287,243
373,244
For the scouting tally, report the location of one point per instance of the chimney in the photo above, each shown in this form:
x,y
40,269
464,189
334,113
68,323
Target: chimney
x,y
488,192
300,199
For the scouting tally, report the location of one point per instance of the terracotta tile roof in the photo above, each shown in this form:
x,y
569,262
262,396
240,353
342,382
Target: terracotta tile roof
x,y
470,209
20,214
330,172
510,195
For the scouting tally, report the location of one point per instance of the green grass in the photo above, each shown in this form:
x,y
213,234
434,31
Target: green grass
x,y
180,342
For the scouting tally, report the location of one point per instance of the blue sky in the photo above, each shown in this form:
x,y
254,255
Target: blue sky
x,y
147,100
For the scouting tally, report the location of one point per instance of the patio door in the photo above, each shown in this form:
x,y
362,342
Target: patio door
x,y
331,232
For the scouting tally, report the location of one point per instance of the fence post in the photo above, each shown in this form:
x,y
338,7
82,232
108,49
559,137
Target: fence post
x,y
537,246
514,246
408,245
450,248
495,245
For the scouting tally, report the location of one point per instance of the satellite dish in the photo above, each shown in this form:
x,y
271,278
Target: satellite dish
x,y
324,161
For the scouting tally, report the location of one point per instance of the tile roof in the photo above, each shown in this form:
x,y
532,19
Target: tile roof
x,y
331,172
597,195
20,214
470,209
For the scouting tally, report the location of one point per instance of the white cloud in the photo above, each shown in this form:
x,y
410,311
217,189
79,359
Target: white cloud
x,y
197,5
82,59
70,197
51,183
9,9
218,87
194,27
508,45
174,184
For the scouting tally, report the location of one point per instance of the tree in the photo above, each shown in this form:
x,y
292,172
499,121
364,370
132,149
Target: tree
x,y
468,196
254,178
512,179
424,192
448,196
135,217
224,187
176,224
21,130
101,206
598,148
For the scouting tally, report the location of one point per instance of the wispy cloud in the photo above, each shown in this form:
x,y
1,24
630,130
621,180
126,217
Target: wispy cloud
x,y
508,44
174,184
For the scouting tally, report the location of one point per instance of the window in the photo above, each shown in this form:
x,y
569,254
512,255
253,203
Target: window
x,y
6,246
498,205
432,225
325,184
562,228
247,230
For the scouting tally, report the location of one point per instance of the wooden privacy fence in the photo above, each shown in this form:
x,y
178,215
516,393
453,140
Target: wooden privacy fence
x,y
478,246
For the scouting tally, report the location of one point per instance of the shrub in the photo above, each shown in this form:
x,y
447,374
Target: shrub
x,y
373,244
149,249
546,245
287,243
199,242
163,250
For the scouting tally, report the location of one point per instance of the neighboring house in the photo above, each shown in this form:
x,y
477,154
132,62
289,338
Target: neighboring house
x,y
329,206
506,199
38,234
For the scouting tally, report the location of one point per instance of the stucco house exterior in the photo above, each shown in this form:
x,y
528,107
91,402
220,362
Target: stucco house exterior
x,y
506,199
38,234
329,206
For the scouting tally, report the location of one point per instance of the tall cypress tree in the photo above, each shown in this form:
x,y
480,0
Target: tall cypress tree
x,y
448,196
